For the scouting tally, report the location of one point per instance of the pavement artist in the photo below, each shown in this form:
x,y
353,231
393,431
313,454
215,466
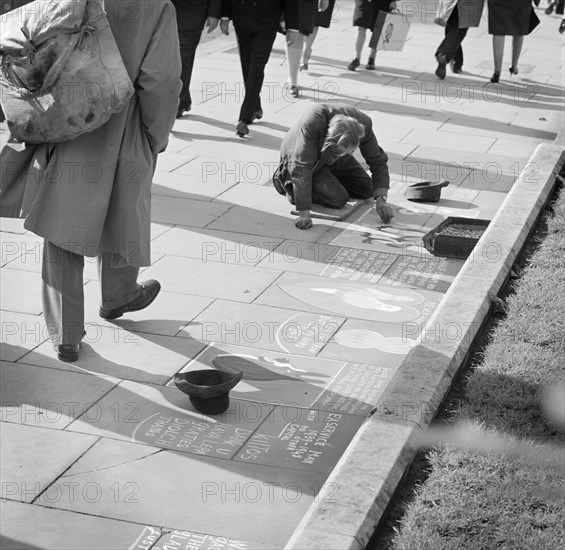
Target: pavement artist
x,y
91,196
317,164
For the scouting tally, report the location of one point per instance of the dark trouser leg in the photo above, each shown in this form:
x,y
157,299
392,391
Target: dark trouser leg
x,y
118,285
451,45
260,45
188,41
327,190
353,177
63,294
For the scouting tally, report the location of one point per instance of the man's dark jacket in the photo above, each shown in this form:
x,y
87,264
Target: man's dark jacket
x,y
253,15
302,152
192,14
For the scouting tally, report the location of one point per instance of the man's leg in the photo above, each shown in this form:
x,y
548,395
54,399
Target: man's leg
x,y
121,293
327,190
353,177
260,50
188,41
118,285
63,295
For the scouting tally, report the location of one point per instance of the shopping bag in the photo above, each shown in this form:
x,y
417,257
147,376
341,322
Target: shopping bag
x,y
390,31
444,9
61,73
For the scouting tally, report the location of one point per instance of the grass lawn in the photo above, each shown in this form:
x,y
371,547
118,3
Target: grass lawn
x,y
504,489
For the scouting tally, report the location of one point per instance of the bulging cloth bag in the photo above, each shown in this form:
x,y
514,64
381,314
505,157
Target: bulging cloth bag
x,y
61,73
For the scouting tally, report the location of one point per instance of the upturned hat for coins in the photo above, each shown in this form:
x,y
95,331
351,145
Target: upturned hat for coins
x,y
425,191
208,389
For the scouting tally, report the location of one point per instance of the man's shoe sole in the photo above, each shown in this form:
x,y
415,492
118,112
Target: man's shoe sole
x,y
118,312
67,357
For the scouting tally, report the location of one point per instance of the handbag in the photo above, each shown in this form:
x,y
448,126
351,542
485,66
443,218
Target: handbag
x,y
534,21
61,73
390,31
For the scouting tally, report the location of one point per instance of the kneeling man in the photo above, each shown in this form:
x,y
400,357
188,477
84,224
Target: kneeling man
x,y
317,164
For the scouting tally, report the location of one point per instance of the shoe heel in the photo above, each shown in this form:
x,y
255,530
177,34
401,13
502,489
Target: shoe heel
x,y
495,78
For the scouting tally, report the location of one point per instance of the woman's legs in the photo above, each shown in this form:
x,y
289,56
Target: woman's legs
x,y
498,51
359,43
294,46
517,43
307,51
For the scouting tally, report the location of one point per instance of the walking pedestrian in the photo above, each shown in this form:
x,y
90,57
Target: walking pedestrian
x,y
321,19
317,164
298,23
365,17
92,195
515,18
192,17
255,27
457,16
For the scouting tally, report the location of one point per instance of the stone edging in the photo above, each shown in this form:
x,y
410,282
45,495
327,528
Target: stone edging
x,y
373,465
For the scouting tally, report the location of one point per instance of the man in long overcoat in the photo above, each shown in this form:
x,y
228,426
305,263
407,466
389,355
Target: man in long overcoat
x,y
457,16
192,16
92,196
317,164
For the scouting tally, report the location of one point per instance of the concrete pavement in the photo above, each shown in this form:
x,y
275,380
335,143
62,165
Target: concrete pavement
x,y
107,453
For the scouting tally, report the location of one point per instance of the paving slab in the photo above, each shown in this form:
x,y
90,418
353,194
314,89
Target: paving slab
x,y
167,316
35,470
203,503
328,260
191,183
70,531
42,397
264,327
238,282
12,299
333,386
21,332
139,356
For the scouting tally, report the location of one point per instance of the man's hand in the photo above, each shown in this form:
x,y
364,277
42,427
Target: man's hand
x,y
323,5
225,26
384,210
304,220
211,23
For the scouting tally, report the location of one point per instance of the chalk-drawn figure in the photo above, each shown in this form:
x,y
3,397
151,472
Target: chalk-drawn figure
x,y
368,339
258,368
359,301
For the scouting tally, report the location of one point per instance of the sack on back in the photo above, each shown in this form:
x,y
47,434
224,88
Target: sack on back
x,y
61,73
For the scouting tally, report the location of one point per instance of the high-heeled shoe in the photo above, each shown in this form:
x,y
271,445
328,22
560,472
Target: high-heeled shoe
x,y
513,70
293,90
304,66
562,26
495,77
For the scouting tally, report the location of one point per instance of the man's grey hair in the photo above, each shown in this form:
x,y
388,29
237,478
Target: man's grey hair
x,y
344,131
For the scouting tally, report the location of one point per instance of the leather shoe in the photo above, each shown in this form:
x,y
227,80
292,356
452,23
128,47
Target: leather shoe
x,y
353,64
257,115
148,291
441,64
241,129
67,352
